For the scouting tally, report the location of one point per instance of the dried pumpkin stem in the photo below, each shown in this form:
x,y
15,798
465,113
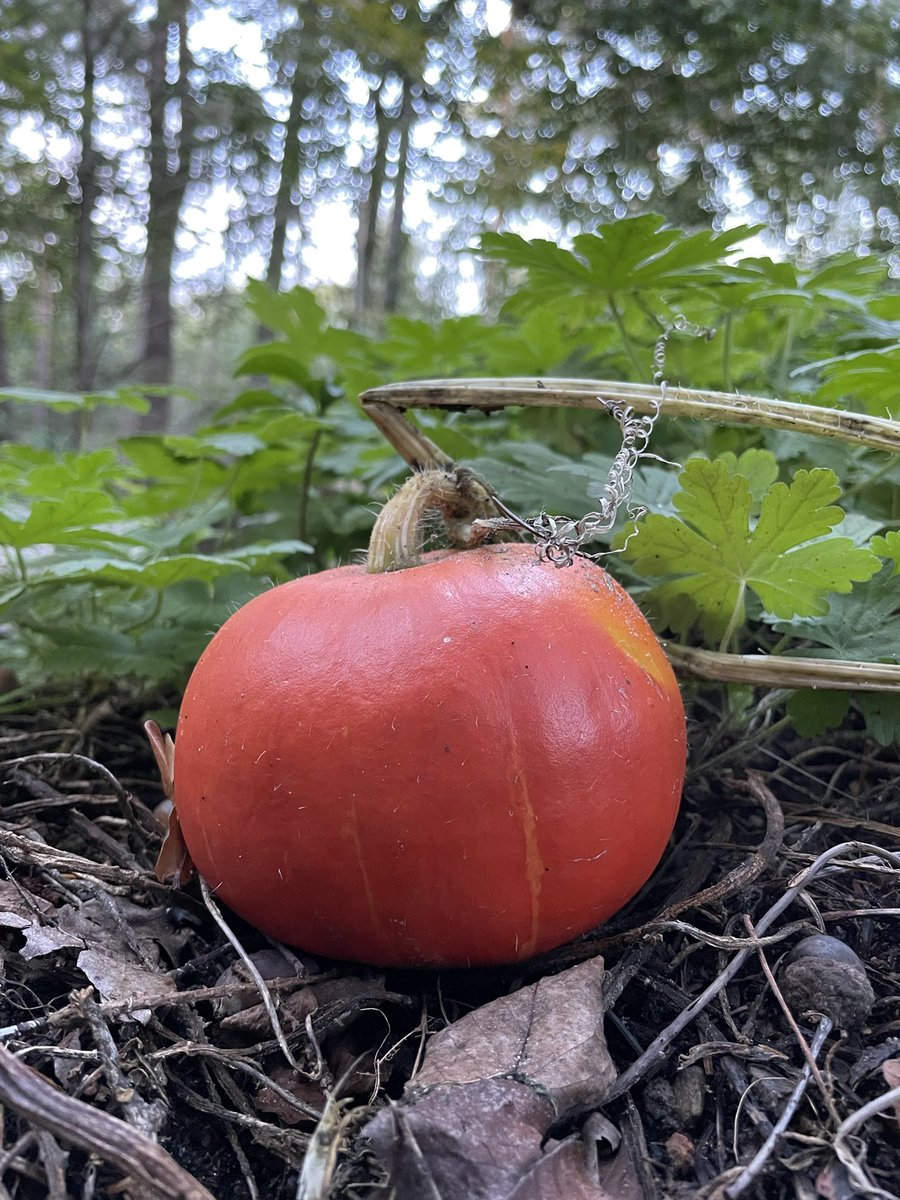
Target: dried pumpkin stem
x,y
457,494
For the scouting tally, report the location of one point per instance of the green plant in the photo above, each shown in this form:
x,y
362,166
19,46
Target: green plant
x,y
122,561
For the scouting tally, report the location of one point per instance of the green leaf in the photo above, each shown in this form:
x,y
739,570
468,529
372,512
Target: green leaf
x,y
870,378
882,714
758,467
712,554
638,255
814,711
67,402
888,546
75,520
172,569
214,443
862,625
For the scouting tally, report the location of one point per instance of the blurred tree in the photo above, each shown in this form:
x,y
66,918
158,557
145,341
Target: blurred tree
x,y
701,108
152,154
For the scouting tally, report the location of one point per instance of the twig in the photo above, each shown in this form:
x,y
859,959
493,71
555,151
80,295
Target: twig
x,y
656,1051
264,993
783,671
126,801
112,1008
764,1153
872,1109
38,1101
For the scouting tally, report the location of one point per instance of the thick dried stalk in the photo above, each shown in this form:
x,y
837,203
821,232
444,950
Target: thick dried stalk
x,y
786,672
727,408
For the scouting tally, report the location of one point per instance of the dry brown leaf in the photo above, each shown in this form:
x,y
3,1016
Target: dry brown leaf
x,y
47,939
469,1141
117,979
562,1174
267,1100
18,907
472,1123
253,1021
174,864
550,1033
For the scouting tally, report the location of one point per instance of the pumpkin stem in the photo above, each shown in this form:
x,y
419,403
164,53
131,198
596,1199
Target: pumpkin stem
x,y
398,537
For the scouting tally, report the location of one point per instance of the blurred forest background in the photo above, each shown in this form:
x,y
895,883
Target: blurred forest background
x,y
156,156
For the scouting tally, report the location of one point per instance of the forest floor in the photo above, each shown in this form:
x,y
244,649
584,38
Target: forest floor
x,y
153,1045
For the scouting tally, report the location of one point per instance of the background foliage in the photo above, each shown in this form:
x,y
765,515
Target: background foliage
x,y
426,189
153,155
121,560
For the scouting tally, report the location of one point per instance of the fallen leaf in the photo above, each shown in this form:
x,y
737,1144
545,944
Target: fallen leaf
x,y
47,939
550,1033
174,864
253,1021
117,980
270,963
267,1100
463,1141
561,1174
18,907
472,1123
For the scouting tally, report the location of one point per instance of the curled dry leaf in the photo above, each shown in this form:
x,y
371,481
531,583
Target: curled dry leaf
x,y
174,863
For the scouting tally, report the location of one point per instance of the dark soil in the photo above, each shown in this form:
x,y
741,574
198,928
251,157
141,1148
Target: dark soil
x,y
131,998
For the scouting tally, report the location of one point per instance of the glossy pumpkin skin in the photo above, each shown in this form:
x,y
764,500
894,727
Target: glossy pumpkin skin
x,y
466,762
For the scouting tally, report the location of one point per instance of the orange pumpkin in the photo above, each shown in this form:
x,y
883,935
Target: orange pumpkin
x,y
466,762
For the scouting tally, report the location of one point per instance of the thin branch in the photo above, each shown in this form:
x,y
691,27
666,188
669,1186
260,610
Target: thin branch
x,y
36,1099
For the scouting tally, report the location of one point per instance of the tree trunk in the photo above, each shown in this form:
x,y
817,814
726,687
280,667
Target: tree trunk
x,y
287,177
165,193
290,160
367,235
5,378
84,231
396,239
44,327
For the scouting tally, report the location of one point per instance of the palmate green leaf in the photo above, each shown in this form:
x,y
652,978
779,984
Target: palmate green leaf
x,y
712,554
277,360
68,402
862,625
165,572
868,378
888,546
77,519
882,715
308,337
815,711
639,255
758,467
296,311
212,443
